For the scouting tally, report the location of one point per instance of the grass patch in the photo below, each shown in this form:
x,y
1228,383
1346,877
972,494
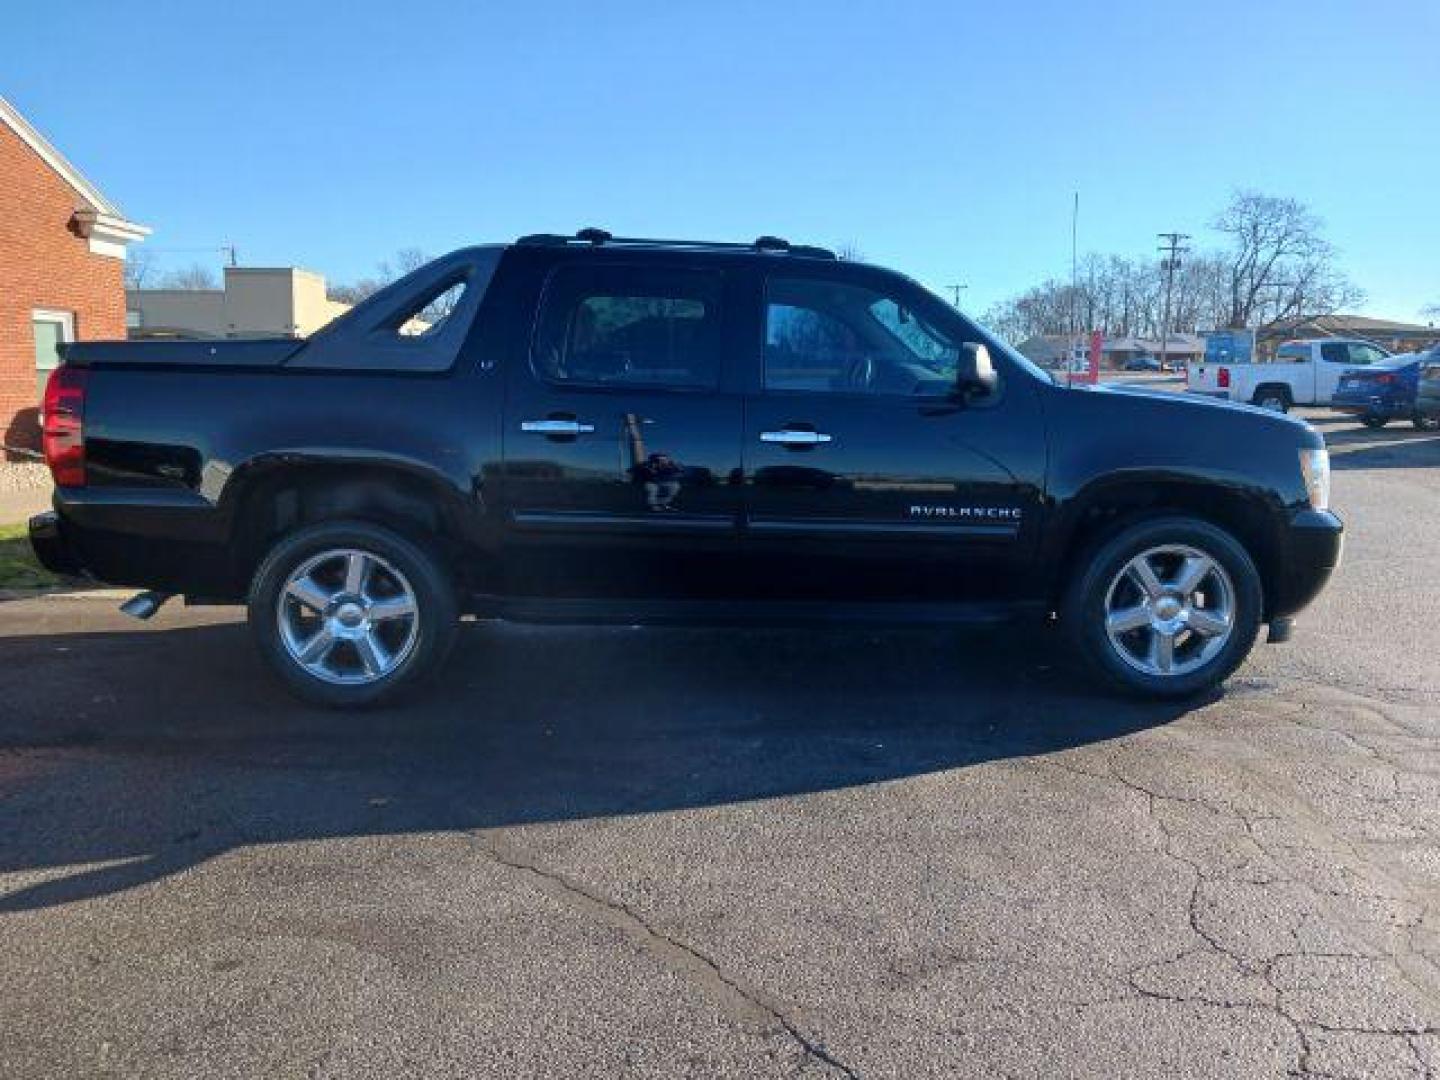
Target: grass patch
x,y
19,569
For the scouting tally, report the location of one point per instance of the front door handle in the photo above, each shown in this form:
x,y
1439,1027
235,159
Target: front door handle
x,y
793,437
556,427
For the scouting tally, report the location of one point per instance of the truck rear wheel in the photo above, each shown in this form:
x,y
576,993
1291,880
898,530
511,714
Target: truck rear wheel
x,y
349,613
1166,608
1268,397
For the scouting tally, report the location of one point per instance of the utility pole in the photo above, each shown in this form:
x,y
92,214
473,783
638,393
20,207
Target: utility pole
x,y
955,291
229,249
1172,247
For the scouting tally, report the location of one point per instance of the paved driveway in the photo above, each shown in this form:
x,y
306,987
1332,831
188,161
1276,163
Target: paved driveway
x,y
700,853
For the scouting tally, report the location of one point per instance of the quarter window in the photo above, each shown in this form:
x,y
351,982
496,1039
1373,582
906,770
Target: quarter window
x,y
630,326
835,337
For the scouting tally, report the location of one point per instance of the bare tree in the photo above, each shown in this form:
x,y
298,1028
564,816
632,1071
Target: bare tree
x,y
195,276
407,260
404,261
355,291
140,267
1280,266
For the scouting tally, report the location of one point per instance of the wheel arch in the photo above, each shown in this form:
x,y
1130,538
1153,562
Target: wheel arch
x,y
1284,390
272,497
1106,508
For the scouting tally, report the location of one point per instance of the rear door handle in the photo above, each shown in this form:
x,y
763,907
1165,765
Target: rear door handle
x,y
792,437
556,427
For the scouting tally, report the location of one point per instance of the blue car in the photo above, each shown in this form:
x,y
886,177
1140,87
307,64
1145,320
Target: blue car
x,y
1383,393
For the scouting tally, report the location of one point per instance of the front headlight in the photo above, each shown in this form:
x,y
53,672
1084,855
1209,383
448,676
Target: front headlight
x,y
1315,468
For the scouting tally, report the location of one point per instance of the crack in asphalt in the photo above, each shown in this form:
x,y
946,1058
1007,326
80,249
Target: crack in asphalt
x,y
1265,868
741,1002
1302,1027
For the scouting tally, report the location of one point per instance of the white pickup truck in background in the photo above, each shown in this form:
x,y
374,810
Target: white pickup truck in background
x,y
1302,373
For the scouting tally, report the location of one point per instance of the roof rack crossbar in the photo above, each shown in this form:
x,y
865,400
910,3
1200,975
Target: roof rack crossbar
x,y
600,238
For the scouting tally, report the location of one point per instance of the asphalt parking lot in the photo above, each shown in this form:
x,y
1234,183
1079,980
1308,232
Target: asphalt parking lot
x,y
722,853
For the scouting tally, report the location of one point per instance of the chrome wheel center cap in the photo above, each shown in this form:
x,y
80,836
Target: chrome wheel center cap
x,y
1168,607
350,615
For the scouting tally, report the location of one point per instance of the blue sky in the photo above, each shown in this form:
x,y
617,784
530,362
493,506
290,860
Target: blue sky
x,y
941,138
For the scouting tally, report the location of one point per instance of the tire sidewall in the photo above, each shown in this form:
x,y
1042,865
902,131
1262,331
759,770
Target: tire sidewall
x,y
1085,606
437,609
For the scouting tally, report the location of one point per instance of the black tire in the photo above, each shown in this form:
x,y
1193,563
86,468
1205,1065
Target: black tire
x,y
1274,400
435,621
1425,423
1374,423
1083,613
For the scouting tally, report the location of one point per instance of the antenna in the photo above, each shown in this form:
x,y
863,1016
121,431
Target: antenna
x,y
1074,285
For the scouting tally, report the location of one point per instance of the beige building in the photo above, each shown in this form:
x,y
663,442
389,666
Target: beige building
x,y
255,302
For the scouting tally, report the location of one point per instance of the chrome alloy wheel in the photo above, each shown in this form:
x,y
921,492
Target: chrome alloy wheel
x,y
1169,610
348,617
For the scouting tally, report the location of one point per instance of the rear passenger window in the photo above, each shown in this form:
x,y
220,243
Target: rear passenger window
x,y
1333,353
630,326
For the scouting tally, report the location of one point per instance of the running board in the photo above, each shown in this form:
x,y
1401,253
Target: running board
x,y
738,613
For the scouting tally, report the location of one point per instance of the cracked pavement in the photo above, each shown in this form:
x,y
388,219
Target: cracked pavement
x,y
783,853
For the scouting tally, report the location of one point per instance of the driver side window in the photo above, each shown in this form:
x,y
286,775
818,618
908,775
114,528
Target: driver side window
x,y
827,336
806,349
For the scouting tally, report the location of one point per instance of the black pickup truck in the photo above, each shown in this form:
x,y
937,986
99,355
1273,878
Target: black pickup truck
x,y
590,428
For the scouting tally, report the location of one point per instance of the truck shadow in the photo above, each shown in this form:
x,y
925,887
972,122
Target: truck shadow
x,y
131,756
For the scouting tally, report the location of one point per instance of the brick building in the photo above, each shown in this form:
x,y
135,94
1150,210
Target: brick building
x,y
62,259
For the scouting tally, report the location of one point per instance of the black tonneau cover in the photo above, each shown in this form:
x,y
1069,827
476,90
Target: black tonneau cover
x,y
244,353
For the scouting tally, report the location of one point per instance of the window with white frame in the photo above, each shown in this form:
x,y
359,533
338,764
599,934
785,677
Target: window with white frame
x,y
52,329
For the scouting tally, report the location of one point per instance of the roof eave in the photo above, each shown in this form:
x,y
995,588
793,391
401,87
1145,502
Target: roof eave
x,y
108,234
100,221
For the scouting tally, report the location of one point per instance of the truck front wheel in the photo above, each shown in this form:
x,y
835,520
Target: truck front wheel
x,y
1166,608
349,613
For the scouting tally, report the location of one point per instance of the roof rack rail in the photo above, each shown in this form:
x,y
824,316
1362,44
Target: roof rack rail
x,y
594,237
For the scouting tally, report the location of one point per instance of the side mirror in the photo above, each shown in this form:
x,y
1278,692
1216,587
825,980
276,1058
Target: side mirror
x,y
975,371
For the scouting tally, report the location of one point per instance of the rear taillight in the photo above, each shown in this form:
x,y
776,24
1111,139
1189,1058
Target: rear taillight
x,y
1222,378
1387,378
64,426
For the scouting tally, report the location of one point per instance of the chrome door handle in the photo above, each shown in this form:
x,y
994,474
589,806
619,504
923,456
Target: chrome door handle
x,y
556,427
790,437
